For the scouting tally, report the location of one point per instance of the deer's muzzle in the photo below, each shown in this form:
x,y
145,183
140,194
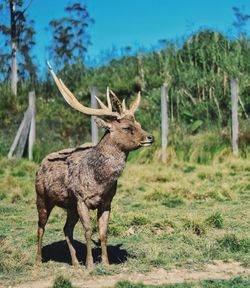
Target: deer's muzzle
x,y
149,141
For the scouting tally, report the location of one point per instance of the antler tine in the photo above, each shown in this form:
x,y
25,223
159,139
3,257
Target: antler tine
x,y
118,102
108,100
74,103
135,105
124,108
103,106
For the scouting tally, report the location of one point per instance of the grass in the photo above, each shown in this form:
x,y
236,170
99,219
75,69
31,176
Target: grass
x,y
180,214
237,282
215,220
61,282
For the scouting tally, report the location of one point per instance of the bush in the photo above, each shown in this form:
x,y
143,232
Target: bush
x,y
139,220
173,202
196,226
232,243
215,220
61,282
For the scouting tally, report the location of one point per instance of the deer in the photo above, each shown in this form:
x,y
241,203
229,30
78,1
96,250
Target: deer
x,y
85,178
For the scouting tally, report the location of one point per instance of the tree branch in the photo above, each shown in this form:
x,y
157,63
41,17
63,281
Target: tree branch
x,y
24,10
27,7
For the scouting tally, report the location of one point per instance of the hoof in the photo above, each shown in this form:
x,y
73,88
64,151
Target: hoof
x,y
105,261
90,265
38,260
75,263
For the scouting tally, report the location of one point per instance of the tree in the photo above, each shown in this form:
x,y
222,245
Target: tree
x,y
240,22
70,37
200,71
18,35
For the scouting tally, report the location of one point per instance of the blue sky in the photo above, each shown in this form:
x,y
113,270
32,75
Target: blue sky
x,y
137,23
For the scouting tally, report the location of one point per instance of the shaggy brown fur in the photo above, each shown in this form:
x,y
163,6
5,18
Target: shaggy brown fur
x,y
86,178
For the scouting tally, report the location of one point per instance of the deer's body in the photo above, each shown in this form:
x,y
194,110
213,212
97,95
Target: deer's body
x,y
86,178
86,174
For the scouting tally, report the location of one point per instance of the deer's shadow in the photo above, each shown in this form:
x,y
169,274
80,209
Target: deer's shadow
x,y
59,252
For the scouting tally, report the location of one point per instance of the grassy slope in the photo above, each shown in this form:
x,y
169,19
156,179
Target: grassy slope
x,y
163,216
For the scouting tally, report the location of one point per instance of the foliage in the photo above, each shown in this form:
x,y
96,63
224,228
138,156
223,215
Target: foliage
x,y
197,70
70,38
232,243
61,282
16,26
240,21
215,220
200,76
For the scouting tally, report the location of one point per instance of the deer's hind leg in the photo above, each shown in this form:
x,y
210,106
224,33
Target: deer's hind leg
x,y
44,211
72,218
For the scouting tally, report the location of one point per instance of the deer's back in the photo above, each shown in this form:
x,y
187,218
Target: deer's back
x,y
52,179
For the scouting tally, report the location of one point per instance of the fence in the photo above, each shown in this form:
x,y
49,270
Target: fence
x,y
27,129
235,124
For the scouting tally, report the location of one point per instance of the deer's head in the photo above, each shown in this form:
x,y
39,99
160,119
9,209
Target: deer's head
x,y
125,131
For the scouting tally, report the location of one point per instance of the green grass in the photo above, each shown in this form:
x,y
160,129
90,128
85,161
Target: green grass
x,y
164,216
232,243
215,220
61,282
237,282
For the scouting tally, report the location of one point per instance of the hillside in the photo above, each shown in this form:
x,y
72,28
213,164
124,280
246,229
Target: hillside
x,y
197,71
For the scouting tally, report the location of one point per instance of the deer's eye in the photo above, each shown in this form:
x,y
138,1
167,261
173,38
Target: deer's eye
x,y
128,129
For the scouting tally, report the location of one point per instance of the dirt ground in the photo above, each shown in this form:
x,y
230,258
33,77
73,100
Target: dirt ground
x,y
217,270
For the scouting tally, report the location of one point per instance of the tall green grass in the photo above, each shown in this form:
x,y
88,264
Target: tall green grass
x,y
205,147
202,146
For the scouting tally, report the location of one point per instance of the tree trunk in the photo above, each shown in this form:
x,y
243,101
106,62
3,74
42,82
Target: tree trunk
x,y
14,78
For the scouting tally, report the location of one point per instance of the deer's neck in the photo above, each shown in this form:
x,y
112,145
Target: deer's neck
x,y
107,161
107,146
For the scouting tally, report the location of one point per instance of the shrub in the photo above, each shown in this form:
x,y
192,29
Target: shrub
x,y
62,282
195,225
215,220
172,202
232,243
139,220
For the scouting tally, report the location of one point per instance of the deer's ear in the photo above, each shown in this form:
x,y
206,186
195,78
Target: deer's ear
x,y
102,124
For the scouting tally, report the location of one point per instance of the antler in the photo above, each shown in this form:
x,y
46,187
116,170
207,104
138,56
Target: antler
x,y
135,105
105,110
122,106
118,102
74,103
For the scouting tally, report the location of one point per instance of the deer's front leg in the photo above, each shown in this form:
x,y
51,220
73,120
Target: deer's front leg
x,y
83,212
103,220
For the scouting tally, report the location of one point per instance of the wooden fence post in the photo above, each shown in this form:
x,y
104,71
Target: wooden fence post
x,y
26,131
164,121
21,137
94,128
32,134
235,124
